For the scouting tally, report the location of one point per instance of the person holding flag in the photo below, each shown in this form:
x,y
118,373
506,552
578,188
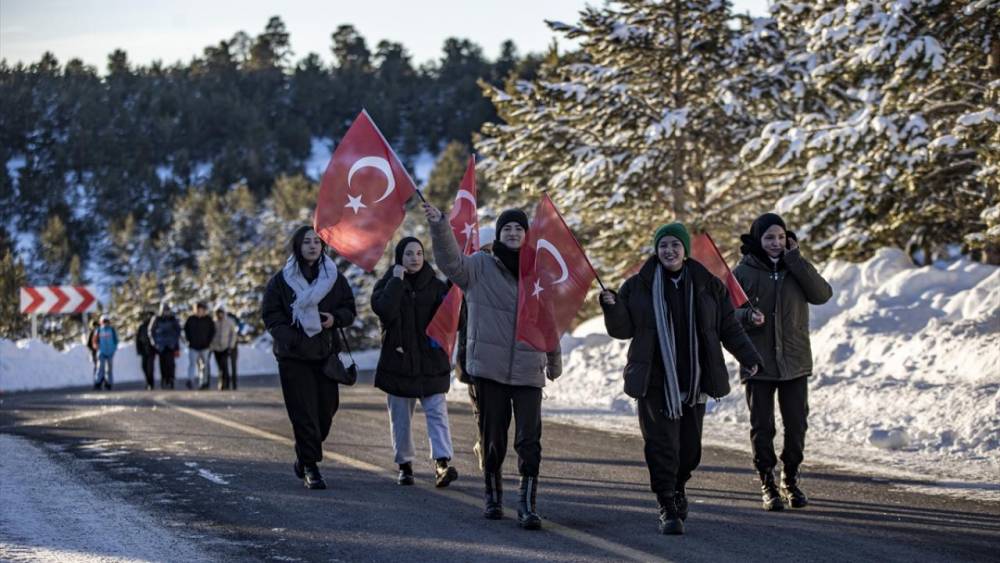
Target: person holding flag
x,y
411,365
781,285
677,314
508,375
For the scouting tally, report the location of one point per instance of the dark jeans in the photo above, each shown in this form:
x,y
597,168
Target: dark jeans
x,y
496,402
234,354
793,401
475,409
148,362
167,366
222,360
672,447
311,400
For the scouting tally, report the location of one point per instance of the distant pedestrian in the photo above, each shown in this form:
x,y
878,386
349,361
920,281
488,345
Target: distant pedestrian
x,y
199,329
107,345
234,352
303,305
165,336
92,346
222,343
144,348
781,284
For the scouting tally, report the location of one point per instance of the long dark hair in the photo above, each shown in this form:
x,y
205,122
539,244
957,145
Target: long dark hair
x,y
310,272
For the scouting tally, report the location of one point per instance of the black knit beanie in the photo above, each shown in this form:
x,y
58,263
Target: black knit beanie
x,y
511,216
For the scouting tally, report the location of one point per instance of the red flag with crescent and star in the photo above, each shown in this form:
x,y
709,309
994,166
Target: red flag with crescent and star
x,y
703,250
443,328
555,276
362,195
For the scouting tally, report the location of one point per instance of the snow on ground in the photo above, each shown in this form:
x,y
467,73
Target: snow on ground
x,y
37,525
34,364
907,375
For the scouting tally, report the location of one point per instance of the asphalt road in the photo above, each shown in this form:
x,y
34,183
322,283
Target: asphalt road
x,y
216,468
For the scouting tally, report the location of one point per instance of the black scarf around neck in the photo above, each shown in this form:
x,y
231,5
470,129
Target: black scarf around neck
x,y
509,257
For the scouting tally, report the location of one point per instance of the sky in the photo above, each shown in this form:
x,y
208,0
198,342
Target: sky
x,y
172,30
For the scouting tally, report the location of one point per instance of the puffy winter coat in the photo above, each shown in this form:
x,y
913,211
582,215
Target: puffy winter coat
x,y
632,316
225,335
165,333
491,298
411,364
290,341
199,331
783,294
107,341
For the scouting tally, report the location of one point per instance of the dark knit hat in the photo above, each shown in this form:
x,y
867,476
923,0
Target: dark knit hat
x,y
676,230
401,247
512,216
751,241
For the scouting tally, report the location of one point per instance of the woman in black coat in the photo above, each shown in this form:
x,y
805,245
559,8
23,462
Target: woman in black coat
x,y
781,285
677,314
303,305
412,366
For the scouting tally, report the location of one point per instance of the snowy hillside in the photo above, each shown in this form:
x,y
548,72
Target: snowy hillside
x,y
907,373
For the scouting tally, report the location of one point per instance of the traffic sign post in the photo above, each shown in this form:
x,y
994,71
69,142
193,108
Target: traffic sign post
x,y
56,300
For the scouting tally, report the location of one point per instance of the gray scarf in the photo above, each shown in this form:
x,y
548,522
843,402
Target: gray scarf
x,y
305,308
665,335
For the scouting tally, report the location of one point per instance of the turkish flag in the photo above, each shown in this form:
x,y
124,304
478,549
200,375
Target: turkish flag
x,y
555,275
703,250
443,328
362,195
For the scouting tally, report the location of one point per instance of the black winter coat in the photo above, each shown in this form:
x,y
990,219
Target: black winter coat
x,y
199,331
290,341
165,333
410,364
632,316
784,296
143,346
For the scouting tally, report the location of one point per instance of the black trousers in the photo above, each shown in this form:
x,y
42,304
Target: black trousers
x,y
148,362
793,401
234,354
475,409
672,447
311,400
222,360
496,402
167,366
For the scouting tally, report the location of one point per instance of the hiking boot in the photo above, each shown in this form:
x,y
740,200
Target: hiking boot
x,y
790,491
527,518
681,502
405,474
444,474
313,479
494,496
670,521
299,469
769,492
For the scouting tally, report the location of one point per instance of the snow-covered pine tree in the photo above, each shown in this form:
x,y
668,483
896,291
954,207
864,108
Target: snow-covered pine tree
x,y
899,143
641,127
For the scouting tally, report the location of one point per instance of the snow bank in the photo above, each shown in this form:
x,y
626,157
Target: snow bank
x,y
34,364
907,372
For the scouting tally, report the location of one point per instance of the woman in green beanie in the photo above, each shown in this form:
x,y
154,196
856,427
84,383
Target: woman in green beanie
x,y
678,316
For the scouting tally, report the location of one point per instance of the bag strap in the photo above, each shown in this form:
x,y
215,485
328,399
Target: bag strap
x,y
347,345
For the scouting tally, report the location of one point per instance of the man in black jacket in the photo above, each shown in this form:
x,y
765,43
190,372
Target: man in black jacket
x,y
199,329
143,347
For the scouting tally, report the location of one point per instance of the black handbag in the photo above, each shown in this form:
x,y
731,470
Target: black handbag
x,y
335,369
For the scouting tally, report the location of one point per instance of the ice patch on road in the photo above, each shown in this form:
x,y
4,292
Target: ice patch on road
x,y
217,479
73,524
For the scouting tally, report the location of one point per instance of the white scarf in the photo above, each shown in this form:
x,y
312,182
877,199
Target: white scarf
x,y
305,308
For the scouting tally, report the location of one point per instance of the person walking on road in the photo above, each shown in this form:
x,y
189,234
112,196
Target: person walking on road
x,y
223,342
676,313
508,375
780,285
303,305
143,347
92,345
107,345
411,365
165,336
199,329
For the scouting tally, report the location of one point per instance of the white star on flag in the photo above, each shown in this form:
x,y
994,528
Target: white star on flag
x,y
467,231
355,203
538,289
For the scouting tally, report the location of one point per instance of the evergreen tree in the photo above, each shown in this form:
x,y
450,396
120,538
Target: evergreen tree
x,y
13,325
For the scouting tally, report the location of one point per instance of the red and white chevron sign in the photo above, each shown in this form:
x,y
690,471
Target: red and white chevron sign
x,y
57,300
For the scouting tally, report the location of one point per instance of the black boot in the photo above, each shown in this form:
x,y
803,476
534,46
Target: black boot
x,y
313,479
444,473
790,491
405,474
494,496
299,469
769,492
670,521
527,518
681,502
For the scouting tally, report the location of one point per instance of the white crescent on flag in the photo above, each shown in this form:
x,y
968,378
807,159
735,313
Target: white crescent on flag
x,y
379,163
464,194
543,244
